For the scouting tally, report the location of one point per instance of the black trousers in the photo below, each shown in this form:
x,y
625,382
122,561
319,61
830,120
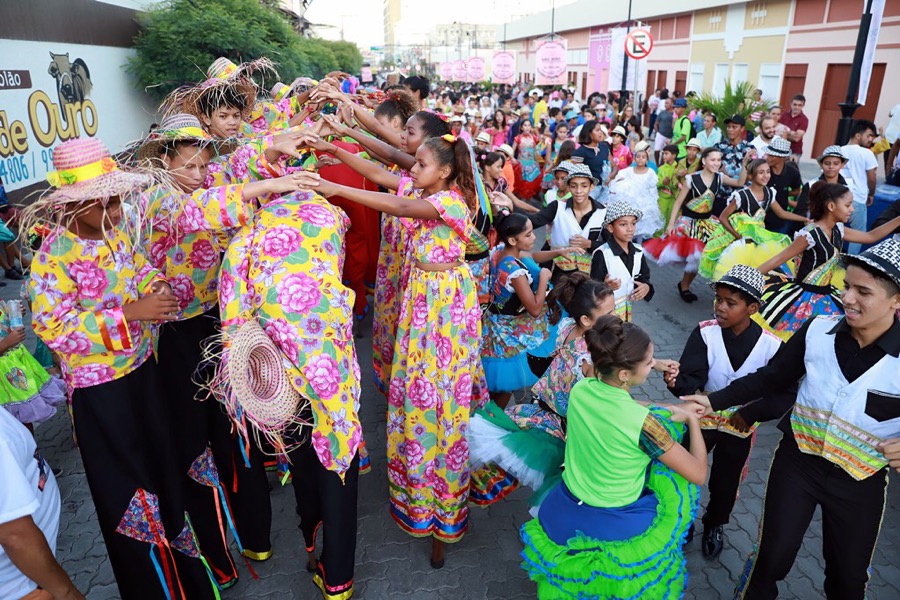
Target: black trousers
x,y
180,355
729,457
851,518
324,501
127,443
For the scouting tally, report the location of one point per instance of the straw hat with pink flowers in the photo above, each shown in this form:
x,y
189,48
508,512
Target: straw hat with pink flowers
x,y
85,170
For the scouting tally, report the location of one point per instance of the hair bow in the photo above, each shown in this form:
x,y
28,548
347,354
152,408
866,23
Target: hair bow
x,y
449,137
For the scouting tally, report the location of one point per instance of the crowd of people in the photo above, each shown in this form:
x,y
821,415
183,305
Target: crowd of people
x,y
198,296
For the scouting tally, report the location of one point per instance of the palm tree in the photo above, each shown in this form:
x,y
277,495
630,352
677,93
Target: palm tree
x,y
737,100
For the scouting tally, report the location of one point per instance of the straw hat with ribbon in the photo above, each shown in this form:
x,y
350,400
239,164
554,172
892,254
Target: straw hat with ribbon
x,y
259,380
176,128
222,76
86,171
280,91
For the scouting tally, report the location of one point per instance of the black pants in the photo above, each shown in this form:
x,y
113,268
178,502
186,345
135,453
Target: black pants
x,y
180,355
729,457
127,443
323,500
851,519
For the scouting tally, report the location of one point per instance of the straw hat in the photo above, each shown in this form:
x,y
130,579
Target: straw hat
x,y
619,130
259,380
484,136
221,76
643,146
180,127
86,171
280,91
694,143
505,149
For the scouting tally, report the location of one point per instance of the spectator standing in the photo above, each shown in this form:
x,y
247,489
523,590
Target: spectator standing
x,y
710,135
860,173
682,129
733,150
665,122
766,133
797,124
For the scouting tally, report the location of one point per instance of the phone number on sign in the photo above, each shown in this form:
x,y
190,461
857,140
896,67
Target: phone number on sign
x,y
23,168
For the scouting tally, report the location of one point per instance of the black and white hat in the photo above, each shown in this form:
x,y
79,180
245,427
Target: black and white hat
x,y
564,165
833,150
581,170
743,278
884,257
779,147
619,209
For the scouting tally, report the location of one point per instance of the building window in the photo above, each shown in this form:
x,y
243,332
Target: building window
x,y
715,19
770,80
720,76
695,79
758,13
739,73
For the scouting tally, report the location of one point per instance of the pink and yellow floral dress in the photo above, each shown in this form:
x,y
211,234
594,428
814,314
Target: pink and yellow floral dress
x,y
435,363
284,269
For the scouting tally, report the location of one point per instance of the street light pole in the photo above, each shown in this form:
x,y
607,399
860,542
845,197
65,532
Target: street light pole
x,y
624,90
849,105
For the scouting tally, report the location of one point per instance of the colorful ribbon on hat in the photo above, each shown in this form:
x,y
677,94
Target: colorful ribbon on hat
x,y
81,174
181,133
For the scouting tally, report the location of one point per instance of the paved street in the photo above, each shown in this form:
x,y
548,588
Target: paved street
x,y
485,564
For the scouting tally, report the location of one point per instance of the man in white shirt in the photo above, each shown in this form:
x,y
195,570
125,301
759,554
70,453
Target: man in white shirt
x,y
766,132
860,170
29,520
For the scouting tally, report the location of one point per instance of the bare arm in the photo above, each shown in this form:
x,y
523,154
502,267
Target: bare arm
x,y
690,465
726,222
533,302
870,181
392,154
371,124
870,237
521,204
391,204
676,208
892,156
800,244
28,550
787,216
370,171
796,136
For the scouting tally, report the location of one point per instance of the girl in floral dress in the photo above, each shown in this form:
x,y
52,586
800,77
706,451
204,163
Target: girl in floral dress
x,y
525,149
437,353
787,304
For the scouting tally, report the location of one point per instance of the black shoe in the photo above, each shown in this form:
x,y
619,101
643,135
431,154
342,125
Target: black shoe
x,y
713,541
14,275
690,535
686,295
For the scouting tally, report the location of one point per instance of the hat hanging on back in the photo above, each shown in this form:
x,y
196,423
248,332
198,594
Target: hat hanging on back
x,y
744,278
883,257
180,127
581,170
694,143
835,151
619,209
779,147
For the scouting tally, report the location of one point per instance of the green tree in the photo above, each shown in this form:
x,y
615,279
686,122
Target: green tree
x,y
179,39
737,100
348,56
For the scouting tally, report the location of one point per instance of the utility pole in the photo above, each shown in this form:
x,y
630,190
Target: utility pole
x,y
624,90
849,105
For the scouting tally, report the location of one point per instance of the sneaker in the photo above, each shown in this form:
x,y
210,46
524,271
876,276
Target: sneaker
x,y
713,541
14,275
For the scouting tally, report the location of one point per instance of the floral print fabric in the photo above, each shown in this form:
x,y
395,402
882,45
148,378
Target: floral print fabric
x,y
284,269
435,364
507,336
77,290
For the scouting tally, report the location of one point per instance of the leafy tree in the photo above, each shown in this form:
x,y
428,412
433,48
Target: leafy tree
x,y
737,100
348,56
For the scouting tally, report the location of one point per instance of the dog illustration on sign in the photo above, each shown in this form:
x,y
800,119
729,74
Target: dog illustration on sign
x,y
73,80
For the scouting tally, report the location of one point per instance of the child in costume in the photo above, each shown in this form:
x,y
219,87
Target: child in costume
x,y
637,186
559,190
690,164
27,390
284,307
436,364
691,220
716,353
516,320
619,154
791,302
95,302
577,222
619,263
528,184
744,219
667,181
614,526
562,149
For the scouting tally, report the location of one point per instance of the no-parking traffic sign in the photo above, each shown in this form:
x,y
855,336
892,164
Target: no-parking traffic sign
x,y
638,44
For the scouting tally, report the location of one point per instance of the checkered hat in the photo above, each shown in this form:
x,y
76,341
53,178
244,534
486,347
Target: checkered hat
x,y
565,165
581,170
619,209
833,150
779,147
743,278
885,257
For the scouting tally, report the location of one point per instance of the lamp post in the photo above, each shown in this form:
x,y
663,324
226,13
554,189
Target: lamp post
x,y
623,94
849,105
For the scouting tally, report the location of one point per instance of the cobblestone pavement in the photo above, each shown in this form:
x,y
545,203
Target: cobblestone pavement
x,y
485,564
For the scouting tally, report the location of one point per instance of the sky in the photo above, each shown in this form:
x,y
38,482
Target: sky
x,y
363,20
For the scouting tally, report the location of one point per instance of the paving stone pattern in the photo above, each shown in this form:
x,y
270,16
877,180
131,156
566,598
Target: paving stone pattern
x,y
485,564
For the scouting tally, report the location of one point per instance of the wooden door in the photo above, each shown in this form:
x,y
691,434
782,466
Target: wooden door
x,y
794,83
681,82
661,80
837,78
651,87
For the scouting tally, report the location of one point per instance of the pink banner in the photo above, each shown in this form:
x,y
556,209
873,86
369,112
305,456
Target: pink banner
x,y
459,70
503,67
598,63
446,71
476,68
551,62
